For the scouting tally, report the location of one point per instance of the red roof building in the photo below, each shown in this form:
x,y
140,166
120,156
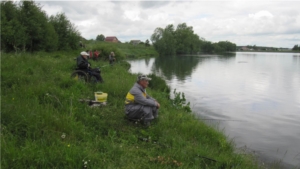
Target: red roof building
x,y
111,39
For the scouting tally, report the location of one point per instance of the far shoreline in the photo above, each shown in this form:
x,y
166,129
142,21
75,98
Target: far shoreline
x,y
218,54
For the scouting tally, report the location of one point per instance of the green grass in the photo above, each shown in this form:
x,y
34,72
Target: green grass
x,y
43,125
123,50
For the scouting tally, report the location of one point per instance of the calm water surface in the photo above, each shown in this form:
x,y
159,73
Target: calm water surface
x,y
254,97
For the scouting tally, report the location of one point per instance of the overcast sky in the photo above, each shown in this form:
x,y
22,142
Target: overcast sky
x,y
260,23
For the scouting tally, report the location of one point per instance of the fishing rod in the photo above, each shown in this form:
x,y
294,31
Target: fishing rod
x,y
222,120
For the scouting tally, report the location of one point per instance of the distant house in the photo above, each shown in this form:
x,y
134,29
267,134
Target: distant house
x,y
245,48
111,39
135,42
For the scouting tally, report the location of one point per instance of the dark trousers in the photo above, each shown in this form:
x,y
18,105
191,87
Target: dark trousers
x,y
96,73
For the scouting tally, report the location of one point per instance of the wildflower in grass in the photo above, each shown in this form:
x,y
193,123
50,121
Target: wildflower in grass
x,y
63,135
69,145
85,163
13,98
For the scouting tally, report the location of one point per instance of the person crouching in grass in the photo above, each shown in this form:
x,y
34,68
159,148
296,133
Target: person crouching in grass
x,y
138,104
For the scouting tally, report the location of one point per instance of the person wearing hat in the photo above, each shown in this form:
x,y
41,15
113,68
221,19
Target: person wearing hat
x,y
138,104
84,65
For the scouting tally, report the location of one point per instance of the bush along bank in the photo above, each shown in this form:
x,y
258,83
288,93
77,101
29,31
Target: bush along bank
x,y
43,125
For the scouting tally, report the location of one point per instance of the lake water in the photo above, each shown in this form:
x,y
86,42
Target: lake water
x,y
253,97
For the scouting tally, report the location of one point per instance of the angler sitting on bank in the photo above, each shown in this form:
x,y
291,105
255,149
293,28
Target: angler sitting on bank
x,y
138,104
84,65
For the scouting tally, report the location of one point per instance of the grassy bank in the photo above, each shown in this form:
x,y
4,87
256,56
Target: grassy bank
x,y
123,50
43,125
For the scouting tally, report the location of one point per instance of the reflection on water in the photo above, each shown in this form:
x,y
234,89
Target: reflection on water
x,y
254,96
179,67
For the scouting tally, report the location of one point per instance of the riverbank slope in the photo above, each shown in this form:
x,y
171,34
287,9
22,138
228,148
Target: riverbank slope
x,y
43,125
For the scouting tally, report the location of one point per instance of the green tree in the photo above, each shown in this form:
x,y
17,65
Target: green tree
x,y
254,47
225,46
13,35
157,39
169,40
100,37
184,41
187,41
195,44
147,43
36,25
50,38
68,35
74,36
218,48
207,47
184,38
164,41
157,35
296,47
25,27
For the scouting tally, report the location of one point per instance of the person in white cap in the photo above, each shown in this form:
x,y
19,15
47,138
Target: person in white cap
x,y
138,104
84,65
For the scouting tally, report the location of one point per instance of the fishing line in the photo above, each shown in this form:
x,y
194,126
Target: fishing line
x,y
223,120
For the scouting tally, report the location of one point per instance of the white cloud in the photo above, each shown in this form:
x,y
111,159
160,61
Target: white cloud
x,y
158,17
52,9
132,15
263,23
261,14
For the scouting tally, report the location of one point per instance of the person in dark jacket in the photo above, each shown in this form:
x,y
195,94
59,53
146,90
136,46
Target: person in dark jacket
x,y
138,104
84,65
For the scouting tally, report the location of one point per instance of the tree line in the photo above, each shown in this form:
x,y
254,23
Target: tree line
x,y
183,40
296,48
100,37
26,27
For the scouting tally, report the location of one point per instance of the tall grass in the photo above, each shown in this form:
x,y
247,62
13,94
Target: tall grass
x,y
43,125
122,50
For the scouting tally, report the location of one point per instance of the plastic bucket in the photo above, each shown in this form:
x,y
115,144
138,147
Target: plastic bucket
x,y
100,97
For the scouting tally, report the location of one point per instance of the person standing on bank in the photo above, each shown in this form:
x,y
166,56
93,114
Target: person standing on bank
x,y
91,54
85,66
138,104
111,58
96,54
